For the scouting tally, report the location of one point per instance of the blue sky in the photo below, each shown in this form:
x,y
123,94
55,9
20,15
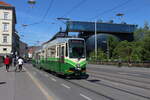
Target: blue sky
x,y
135,12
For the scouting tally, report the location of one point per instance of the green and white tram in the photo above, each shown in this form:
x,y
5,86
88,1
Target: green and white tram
x,y
65,56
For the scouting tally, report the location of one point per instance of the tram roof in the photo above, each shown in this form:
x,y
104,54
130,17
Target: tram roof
x,y
59,40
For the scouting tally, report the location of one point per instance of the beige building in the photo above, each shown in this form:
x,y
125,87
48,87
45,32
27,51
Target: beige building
x,y
9,39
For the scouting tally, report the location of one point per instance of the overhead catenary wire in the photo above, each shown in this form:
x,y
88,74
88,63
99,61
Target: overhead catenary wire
x,y
74,7
111,9
45,15
48,9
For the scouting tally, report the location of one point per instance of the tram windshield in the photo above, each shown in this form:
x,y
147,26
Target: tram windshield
x,y
76,49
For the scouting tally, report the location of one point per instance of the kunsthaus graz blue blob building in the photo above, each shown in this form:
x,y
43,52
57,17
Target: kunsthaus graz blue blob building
x,y
86,30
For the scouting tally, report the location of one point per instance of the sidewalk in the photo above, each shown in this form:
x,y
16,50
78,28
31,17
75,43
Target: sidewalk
x,y
18,86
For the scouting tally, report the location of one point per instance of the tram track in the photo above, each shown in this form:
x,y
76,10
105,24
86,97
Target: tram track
x,y
103,95
78,85
115,76
109,86
123,90
129,84
127,73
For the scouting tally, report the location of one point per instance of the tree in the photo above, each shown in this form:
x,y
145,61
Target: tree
x,y
123,50
136,54
140,33
146,48
112,43
100,55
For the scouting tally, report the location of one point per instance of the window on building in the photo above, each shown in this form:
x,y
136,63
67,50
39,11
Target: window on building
x,y
4,38
6,15
4,49
5,27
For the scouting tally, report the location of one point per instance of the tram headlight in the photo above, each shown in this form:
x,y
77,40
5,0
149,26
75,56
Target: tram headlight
x,y
78,65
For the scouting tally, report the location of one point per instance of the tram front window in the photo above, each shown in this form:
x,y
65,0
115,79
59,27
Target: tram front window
x,y
76,49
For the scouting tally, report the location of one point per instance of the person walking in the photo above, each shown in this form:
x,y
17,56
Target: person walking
x,y
7,63
20,63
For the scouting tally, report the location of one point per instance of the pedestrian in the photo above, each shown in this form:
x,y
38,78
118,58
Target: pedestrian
x,y
7,63
20,63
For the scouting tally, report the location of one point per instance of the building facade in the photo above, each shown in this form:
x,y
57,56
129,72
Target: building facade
x,y
9,39
23,51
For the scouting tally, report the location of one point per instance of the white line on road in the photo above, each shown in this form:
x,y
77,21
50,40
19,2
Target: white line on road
x,y
123,73
46,75
129,74
135,74
65,86
85,96
53,79
39,85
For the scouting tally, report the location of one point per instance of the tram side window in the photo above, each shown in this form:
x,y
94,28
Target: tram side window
x,y
53,52
62,51
48,52
57,51
66,50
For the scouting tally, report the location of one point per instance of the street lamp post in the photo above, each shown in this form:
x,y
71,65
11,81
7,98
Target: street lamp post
x,y
107,48
95,39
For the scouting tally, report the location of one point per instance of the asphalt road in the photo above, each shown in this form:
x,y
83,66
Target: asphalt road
x,y
104,83
18,86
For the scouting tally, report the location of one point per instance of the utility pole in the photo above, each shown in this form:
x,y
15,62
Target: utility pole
x,y
95,39
107,48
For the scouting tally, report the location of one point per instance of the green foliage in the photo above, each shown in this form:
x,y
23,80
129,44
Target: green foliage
x,y
141,33
146,48
113,42
123,51
138,50
100,55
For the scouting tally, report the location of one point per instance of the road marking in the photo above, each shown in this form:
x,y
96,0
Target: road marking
x,y
37,70
123,73
85,96
46,75
65,86
135,74
53,79
129,74
39,85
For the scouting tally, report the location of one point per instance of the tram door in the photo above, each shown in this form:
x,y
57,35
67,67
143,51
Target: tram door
x,y
61,58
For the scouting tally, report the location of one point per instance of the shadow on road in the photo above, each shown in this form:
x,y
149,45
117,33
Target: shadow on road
x,y
1,83
93,80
